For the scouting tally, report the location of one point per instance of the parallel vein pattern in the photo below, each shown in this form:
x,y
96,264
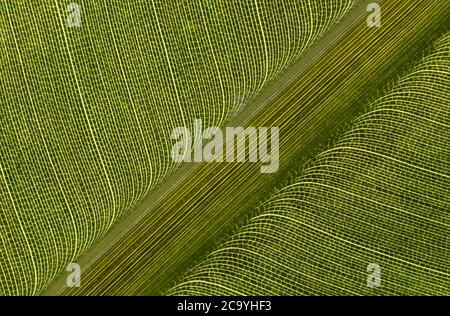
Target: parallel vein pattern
x,y
380,195
86,112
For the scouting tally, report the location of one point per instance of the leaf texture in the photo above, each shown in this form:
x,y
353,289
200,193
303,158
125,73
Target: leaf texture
x,y
380,195
86,113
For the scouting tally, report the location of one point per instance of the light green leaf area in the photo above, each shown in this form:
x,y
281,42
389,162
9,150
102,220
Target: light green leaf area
x,y
380,196
86,112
